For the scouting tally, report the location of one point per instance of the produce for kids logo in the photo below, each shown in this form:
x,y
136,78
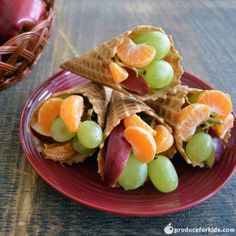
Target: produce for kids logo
x,y
169,229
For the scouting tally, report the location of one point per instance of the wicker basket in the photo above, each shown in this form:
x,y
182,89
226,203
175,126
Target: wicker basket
x,y
19,54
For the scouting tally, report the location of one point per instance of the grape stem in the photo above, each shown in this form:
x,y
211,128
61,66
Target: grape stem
x,y
215,121
89,113
153,123
210,122
187,101
141,72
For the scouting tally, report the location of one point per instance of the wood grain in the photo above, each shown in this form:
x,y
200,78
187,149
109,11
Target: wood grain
x,y
204,33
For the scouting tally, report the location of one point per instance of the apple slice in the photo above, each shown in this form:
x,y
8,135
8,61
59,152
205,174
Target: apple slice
x,y
117,155
135,84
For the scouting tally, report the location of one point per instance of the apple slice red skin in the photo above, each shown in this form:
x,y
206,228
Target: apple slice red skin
x,y
117,155
43,138
135,84
19,15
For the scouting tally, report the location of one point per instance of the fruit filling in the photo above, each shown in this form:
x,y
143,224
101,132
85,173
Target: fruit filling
x,y
203,124
132,154
70,119
139,64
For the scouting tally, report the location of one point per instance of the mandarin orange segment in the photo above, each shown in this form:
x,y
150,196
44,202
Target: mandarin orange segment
x,y
164,139
48,112
222,129
142,142
219,103
190,117
135,55
71,112
135,120
118,73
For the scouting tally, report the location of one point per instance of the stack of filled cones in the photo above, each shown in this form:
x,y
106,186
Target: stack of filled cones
x,y
163,104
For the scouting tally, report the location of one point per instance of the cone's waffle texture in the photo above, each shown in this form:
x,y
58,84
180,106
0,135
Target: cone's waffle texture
x,y
94,64
97,97
122,106
168,109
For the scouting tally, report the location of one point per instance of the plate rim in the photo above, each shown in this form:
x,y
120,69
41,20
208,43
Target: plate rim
x,y
97,206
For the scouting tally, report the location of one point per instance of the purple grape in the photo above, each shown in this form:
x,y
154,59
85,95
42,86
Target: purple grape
x,y
219,148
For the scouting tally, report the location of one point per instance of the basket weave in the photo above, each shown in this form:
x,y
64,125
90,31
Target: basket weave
x,y
19,54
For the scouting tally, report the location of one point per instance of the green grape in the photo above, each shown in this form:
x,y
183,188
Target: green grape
x,y
210,161
59,131
163,174
158,40
89,134
199,147
134,174
80,148
158,74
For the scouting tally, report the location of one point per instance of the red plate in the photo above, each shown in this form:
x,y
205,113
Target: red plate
x,y
82,184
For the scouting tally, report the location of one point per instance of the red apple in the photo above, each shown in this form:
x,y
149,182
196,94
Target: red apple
x,y
117,155
19,15
135,84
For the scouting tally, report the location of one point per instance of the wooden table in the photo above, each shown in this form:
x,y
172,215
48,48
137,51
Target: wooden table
x,y
205,35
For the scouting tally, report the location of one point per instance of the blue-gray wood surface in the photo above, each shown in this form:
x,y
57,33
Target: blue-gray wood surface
x,y
205,35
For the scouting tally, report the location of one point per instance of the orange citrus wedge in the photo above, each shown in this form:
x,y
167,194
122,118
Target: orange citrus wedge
x,y
164,139
135,55
142,142
118,73
190,117
71,112
48,112
222,129
219,103
135,120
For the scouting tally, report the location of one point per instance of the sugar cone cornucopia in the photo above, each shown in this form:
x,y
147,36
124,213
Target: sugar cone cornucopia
x,y
95,98
169,108
121,107
94,65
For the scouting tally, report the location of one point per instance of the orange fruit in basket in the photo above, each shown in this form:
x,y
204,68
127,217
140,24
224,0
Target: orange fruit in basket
x,y
142,142
48,112
135,55
189,118
219,103
118,73
71,111
163,138
135,120
222,129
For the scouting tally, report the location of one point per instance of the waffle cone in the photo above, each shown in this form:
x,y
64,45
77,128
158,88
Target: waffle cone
x,y
122,106
96,96
94,64
168,109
